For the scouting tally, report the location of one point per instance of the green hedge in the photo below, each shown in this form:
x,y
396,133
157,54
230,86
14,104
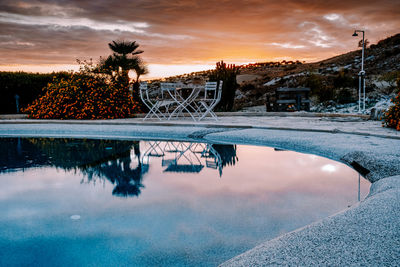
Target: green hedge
x,y
28,86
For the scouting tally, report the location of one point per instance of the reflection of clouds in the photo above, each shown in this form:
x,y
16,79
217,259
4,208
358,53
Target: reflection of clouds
x,y
329,168
171,164
30,180
21,213
265,175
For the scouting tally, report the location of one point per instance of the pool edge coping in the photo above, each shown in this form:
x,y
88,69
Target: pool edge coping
x,y
199,125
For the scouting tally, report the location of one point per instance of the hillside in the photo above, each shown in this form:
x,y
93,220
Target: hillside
x,y
333,81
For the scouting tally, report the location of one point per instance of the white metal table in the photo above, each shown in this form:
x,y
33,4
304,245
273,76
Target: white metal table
x,y
185,102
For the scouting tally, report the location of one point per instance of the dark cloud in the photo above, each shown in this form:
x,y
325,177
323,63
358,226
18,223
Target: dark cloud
x,y
187,31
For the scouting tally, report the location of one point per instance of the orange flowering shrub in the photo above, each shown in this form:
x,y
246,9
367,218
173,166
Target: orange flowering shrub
x,y
83,97
392,116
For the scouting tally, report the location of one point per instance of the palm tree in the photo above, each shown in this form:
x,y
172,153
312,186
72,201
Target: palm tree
x,y
124,58
140,69
124,48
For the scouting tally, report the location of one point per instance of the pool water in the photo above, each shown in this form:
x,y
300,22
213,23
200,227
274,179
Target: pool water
x,y
78,202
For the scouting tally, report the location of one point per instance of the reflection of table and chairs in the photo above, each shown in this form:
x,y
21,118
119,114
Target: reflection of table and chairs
x,y
174,100
183,156
180,157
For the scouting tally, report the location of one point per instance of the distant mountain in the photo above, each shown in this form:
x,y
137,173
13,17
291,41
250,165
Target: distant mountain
x,y
379,58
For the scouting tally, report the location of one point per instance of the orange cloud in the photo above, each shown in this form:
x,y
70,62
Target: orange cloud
x,y
189,31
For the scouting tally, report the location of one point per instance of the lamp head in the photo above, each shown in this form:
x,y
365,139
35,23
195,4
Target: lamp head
x,y
355,33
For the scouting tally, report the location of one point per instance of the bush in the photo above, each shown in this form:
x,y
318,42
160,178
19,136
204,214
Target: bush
x,y
83,96
344,96
28,86
247,87
392,116
319,87
343,80
391,77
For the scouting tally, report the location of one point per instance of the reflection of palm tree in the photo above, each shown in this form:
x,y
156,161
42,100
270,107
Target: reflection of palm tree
x,y
227,153
128,180
221,155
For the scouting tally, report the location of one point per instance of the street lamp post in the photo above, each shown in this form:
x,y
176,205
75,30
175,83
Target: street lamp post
x,y
361,74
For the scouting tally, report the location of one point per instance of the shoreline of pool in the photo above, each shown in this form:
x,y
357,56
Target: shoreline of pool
x,y
366,234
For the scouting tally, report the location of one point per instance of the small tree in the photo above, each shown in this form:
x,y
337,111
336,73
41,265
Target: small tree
x,y
366,43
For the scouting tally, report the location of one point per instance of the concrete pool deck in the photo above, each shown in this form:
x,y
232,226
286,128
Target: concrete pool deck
x,y
366,234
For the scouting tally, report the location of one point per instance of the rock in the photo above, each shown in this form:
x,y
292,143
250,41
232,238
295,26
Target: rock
x,y
239,95
272,82
247,78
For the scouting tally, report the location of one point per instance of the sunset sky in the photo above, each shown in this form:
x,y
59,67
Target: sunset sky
x,y
186,35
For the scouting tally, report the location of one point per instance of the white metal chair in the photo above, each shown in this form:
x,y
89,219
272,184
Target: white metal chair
x,y
155,103
151,103
168,95
212,96
169,88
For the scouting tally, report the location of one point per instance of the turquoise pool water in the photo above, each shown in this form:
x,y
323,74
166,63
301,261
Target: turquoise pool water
x,y
72,202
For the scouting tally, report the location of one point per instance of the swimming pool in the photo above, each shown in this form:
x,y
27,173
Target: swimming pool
x,y
148,203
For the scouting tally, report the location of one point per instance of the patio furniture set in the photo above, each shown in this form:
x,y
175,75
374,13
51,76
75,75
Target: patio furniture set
x,y
174,100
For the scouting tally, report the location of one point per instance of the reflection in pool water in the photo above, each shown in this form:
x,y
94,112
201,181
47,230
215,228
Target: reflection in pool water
x,y
107,202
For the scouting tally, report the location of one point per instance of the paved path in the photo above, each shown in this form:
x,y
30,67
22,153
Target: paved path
x,y
335,124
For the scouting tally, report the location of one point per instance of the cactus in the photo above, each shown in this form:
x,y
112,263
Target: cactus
x,y
227,74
